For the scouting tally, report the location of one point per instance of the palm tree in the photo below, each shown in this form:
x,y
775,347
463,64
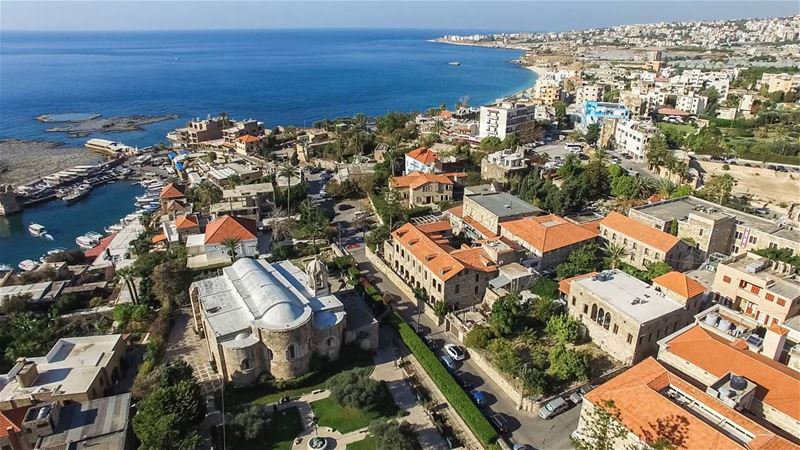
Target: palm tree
x,y
208,193
643,186
231,243
288,171
665,187
318,228
126,274
307,210
614,254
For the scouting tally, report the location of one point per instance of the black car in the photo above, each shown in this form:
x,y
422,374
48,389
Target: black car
x,y
466,385
500,422
429,342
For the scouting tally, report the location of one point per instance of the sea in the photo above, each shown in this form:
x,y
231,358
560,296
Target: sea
x,y
280,77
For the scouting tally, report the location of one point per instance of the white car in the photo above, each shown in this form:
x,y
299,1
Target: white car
x,y
455,352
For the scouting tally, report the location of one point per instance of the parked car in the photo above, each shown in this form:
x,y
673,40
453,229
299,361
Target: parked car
x,y
429,342
553,408
466,385
522,447
478,397
448,362
500,422
577,396
455,352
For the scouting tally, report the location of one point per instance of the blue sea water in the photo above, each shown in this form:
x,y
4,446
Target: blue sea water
x,y
281,77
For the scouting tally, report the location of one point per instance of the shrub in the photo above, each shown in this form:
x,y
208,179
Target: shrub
x,y
568,365
250,423
353,273
564,328
355,389
479,337
393,435
455,396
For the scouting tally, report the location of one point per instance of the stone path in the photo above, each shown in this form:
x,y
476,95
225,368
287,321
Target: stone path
x,y
185,344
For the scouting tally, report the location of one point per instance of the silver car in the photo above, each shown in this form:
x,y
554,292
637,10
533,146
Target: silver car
x,y
553,408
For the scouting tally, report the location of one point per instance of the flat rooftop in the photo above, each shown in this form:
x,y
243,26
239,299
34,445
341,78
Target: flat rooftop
x,y
98,424
503,204
787,286
680,208
629,295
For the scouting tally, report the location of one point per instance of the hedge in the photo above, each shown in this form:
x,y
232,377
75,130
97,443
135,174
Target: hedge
x,y
353,273
455,396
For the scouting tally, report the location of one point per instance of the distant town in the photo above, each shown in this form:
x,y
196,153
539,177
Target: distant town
x,y
606,259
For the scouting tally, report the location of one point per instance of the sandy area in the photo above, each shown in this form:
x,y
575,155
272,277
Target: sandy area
x,y
26,161
766,186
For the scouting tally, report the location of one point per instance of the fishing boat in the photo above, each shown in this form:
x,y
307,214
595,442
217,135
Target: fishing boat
x,y
76,194
37,230
28,265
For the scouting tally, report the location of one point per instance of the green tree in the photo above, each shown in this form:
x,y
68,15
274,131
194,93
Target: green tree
x,y
545,288
568,365
479,337
231,243
592,134
656,152
289,172
564,328
171,280
560,112
584,260
391,435
657,268
508,314
251,423
603,429
377,237
355,389
440,309
718,188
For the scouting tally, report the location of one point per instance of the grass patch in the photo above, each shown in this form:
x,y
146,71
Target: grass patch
x,y
344,419
271,392
368,443
283,428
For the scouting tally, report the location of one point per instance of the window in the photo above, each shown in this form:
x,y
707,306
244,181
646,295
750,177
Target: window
x,y
742,284
585,307
700,232
781,302
641,338
616,328
476,290
477,278
457,288
755,289
773,245
291,352
753,240
329,342
245,364
630,338
573,301
726,279
769,297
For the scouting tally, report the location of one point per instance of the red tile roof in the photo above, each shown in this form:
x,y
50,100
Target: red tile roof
x,y
547,233
645,410
680,284
161,237
230,227
423,155
427,251
171,191
183,222
640,232
248,138
416,180
672,112
778,385
457,211
95,251
12,418
565,284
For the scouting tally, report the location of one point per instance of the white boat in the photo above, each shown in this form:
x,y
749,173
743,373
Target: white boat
x,y
37,230
28,265
5,268
454,63
85,242
56,251
114,228
94,235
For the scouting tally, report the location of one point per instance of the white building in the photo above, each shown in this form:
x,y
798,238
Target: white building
x,y
588,93
692,104
631,137
505,119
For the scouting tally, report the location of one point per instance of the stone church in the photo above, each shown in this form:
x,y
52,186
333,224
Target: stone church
x,y
260,317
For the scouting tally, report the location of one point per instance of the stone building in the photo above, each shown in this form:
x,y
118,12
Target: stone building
x,y
550,239
425,259
716,228
644,244
768,291
423,189
502,165
259,317
625,316
485,207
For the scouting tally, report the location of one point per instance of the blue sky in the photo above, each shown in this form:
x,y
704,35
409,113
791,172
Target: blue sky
x,y
531,15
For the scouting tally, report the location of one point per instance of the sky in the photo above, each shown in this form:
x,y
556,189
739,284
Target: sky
x,y
530,15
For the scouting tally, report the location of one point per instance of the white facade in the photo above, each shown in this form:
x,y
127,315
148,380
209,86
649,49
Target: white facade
x,y
588,93
631,137
692,104
505,119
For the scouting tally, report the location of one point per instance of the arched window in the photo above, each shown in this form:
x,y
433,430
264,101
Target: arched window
x,y
607,321
600,314
269,353
245,364
291,352
329,342
594,312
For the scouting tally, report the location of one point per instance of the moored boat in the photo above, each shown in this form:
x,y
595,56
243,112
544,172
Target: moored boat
x,y
28,265
37,230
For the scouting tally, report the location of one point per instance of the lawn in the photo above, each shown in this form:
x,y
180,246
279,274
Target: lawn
x,y
283,428
682,128
364,444
344,419
266,393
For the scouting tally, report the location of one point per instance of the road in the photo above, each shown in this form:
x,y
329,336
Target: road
x,y
526,428
640,167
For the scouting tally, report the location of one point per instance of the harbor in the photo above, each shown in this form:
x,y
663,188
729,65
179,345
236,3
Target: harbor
x,y
64,222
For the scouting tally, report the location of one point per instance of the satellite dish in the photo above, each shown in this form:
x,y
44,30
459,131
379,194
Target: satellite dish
x,y
738,383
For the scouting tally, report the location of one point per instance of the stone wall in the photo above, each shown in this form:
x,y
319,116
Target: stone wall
x,y
510,389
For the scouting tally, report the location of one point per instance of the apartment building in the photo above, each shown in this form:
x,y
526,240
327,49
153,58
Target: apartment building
x,y
507,119
247,144
485,207
76,369
631,137
720,361
779,82
716,228
653,401
626,316
645,244
549,239
422,255
547,91
588,93
252,201
768,291
422,160
692,103
240,128
423,189
501,165
197,132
